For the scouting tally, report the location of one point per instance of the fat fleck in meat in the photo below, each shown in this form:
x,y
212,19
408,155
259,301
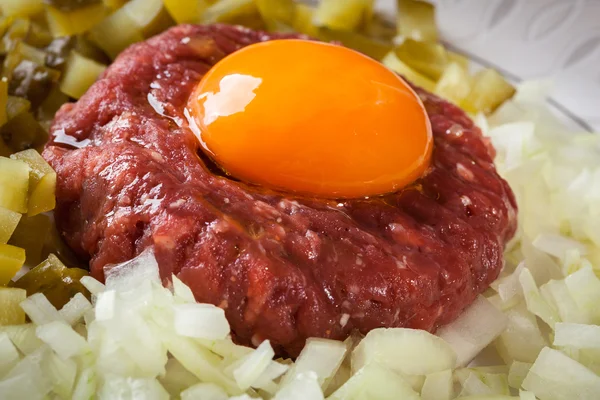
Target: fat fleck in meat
x,y
283,268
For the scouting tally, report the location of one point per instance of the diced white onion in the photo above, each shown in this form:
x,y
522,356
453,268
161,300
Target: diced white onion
x,y
251,367
39,310
200,321
62,339
204,391
75,309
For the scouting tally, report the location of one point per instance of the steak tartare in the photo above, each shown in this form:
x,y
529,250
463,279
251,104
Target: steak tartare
x,y
131,175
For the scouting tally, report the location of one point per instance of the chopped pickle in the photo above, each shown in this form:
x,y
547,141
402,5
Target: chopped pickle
x,y
416,20
16,106
18,30
430,59
343,15
3,100
8,222
150,16
39,36
32,81
42,182
55,244
303,17
488,91
23,132
43,196
70,5
12,259
115,33
11,312
115,4
21,8
233,12
372,47
14,184
58,50
380,28
52,278
30,53
459,59
88,49
186,11
51,104
454,85
277,13
79,75
31,234
63,23
393,63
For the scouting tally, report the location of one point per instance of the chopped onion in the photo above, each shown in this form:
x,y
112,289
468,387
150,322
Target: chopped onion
x,y
75,309
204,391
579,336
39,310
62,339
438,386
200,321
9,355
304,386
476,328
249,369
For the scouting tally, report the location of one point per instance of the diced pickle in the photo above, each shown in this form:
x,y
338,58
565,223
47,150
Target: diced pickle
x,y
242,12
150,16
277,13
303,17
57,282
454,85
74,22
16,106
3,100
70,5
115,4
58,50
343,15
18,30
430,59
11,260
88,49
79,75
379,27
186,11
51,104
489,90
31,234
115,33
23,132
21,8
393,63
14,184
30,53
43,196
39,36
416,20
32,81
11,312
459,59
42,182
366,45
8,222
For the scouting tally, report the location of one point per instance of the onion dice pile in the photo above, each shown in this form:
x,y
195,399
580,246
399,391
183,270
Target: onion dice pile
x,y
535,334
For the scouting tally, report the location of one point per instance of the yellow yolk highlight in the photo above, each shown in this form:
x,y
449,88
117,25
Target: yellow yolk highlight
x,y
311,118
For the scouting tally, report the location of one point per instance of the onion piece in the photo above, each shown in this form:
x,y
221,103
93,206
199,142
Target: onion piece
x,y
407,351
473,330
248,369
62,339
578,336
200,321
304,386
204,391
39,309
438,386
9,356
75,309
555,376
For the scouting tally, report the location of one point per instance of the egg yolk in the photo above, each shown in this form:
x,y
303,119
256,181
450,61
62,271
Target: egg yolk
x,y
311,118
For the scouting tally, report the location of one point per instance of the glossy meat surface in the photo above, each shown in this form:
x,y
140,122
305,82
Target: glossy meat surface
x,y
131,175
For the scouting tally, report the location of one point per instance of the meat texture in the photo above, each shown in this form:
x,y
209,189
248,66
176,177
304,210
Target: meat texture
x,y
284,268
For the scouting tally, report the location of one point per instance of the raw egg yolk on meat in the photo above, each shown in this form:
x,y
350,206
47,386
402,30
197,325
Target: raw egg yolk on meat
x,y
311,118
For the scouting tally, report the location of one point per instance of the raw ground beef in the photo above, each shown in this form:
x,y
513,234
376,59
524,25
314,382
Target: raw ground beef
x,y
285,268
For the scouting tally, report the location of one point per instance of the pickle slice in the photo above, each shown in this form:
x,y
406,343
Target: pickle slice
x,y
8,222
3,101
115,33
277,13
343,15
67,23
393,63
489,91
303,17
416,20
366,45
52,278
31,234
454,85
430,59
11,312
150,16
186,11
42,182
21,8
70,5
242,12
14,184
11,260
79,75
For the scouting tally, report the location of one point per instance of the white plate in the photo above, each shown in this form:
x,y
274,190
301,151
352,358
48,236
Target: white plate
x,y
532,39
